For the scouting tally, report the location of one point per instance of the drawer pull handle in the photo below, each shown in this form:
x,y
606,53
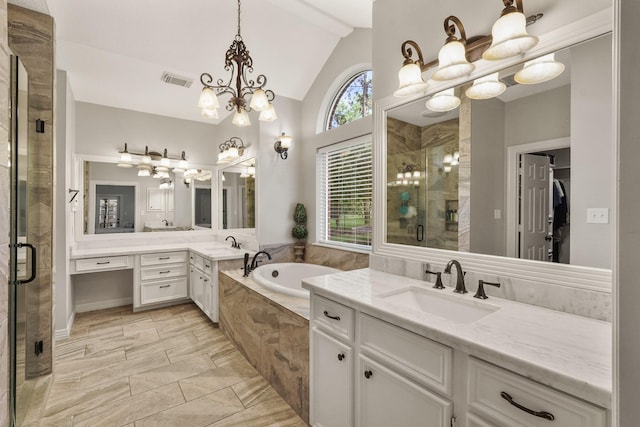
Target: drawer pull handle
x,y
542,414
165,286
162,258
341,357
368,374
207,266
164,272
326,314
103,262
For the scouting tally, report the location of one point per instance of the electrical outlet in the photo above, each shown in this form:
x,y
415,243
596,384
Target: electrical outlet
x,y
597,215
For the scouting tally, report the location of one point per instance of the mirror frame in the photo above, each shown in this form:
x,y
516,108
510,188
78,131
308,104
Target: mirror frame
x,y
77,183
249,232
565,275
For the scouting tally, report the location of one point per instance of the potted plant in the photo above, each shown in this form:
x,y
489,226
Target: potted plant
x,y
299,231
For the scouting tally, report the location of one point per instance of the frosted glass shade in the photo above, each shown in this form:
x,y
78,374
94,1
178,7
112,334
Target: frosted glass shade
x,y
539,70
443,101
210,113
510,37
251,170
259,100
285,141
268,114
448,158
453,62
410,78
144,171
241,118
124,165
208,99
486,87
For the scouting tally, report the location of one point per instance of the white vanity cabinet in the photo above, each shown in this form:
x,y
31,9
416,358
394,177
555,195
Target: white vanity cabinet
x,y
366,372
203,276
161,278
501,398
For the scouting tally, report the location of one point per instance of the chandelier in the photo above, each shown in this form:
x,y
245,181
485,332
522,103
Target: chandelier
x,y
239,62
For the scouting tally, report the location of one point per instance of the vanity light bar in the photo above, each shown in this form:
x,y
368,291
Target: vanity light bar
x,y
162,161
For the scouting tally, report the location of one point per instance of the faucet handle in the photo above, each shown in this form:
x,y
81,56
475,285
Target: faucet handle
x,y
480,292
438,274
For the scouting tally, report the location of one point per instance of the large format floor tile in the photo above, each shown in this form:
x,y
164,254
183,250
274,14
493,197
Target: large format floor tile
x,y
165,367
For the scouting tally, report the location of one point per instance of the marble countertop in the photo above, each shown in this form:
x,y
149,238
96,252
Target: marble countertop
x,y
564,351
212,250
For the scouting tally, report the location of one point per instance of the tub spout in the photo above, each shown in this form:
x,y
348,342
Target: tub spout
x,y
255,261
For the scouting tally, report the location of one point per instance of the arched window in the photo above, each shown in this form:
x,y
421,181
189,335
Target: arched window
x,y
352,102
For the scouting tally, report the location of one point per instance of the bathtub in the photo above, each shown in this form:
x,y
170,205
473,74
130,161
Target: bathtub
x,y
286,277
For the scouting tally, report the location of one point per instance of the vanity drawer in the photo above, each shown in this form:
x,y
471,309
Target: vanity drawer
x,y
163,271
488,384
334,316
163,290
196,260
208,267
418,357
90,265
163,258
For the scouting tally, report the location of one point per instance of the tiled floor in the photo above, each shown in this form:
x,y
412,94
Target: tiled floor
x,y
166,367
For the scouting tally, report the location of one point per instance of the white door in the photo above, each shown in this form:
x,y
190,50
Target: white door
x,y
386,399
535,212
331,381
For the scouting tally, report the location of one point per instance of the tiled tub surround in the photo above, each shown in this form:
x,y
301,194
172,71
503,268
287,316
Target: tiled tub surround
x,y
566,352
272,331
582,302
321,255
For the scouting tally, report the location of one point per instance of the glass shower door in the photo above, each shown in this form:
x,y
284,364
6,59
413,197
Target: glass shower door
x,y
22,255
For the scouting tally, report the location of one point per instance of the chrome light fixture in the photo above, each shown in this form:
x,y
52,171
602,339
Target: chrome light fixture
x,y
452,57
539,70
239,62
230,150
282,146
509,33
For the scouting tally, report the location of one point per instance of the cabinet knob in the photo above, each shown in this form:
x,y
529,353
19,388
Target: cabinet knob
x,y
341,357
368,374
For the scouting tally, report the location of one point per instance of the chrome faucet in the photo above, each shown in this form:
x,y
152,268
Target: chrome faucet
x,y
234,244
460,289
255,261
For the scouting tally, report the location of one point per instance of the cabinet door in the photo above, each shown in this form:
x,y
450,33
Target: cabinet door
x,y
206,295
197,280
385,398
331,381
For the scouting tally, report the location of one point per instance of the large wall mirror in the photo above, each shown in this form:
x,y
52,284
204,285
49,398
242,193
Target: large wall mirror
x,y
236,198
527,174
118,200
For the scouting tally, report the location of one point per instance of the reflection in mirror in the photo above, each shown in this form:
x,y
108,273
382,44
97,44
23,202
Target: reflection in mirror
x,y
238,184
512,175
117,200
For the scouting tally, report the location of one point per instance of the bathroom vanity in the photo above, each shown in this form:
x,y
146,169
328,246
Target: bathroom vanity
x,y
379,356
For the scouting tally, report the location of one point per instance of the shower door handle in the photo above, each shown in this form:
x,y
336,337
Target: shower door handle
x,y
33,263
420,233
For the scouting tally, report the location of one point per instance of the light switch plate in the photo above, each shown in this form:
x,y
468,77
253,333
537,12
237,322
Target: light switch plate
x,y
597,215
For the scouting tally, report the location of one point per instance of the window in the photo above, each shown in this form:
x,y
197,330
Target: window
x,y
345,177
352,102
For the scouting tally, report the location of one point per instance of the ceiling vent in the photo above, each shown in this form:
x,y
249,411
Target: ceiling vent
x,y
176,80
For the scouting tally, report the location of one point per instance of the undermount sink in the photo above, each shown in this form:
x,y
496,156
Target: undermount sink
x,y
450,307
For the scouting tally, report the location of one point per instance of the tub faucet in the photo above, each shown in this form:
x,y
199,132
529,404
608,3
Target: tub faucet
x,y
460,289
255,261
234,243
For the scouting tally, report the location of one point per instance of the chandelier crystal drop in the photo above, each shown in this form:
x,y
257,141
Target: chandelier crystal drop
x,y
239,86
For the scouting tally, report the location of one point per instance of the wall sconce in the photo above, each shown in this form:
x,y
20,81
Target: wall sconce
x,y
151,161
448,161
455,59
486,87
282,146
539,70
443,101
230,150
409,174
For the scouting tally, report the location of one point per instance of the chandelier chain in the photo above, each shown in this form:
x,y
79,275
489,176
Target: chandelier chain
x,y
238,17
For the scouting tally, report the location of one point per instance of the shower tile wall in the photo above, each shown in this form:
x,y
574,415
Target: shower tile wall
x,y
4,212
31,37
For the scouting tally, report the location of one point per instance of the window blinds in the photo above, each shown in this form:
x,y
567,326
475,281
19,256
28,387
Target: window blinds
x,y
345,196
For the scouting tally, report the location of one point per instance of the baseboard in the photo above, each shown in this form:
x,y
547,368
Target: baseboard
x,y
64,333
99,305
